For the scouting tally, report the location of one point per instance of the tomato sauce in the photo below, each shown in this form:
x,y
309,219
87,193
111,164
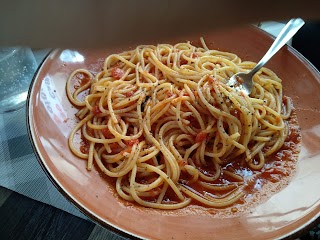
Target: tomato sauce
x,y
81,80
84,80
258,185
117,73
96,110
275,174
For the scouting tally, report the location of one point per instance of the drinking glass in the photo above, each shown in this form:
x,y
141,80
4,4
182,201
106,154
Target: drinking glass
x,y
17,67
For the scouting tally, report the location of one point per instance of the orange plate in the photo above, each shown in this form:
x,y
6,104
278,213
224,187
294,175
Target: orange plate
x,y
51,118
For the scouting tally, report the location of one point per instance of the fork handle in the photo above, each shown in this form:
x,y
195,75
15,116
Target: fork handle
x,y
284,36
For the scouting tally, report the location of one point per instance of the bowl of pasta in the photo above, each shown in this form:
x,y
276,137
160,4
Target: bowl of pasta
x,y
151,142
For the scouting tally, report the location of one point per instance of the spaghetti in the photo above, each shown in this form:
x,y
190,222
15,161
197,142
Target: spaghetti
x,y
163,123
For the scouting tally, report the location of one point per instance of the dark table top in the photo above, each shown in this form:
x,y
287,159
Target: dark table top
x,y
24,218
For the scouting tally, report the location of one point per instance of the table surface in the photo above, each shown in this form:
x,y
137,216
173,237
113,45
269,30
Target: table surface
x,y
24,218
35,209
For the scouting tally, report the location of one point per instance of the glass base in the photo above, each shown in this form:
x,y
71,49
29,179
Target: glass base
x,y
13,103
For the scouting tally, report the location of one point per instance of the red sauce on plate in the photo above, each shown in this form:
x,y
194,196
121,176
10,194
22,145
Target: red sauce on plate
x,y
278,169
258,185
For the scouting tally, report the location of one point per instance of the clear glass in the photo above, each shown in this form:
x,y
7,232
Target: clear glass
x,y
17,67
